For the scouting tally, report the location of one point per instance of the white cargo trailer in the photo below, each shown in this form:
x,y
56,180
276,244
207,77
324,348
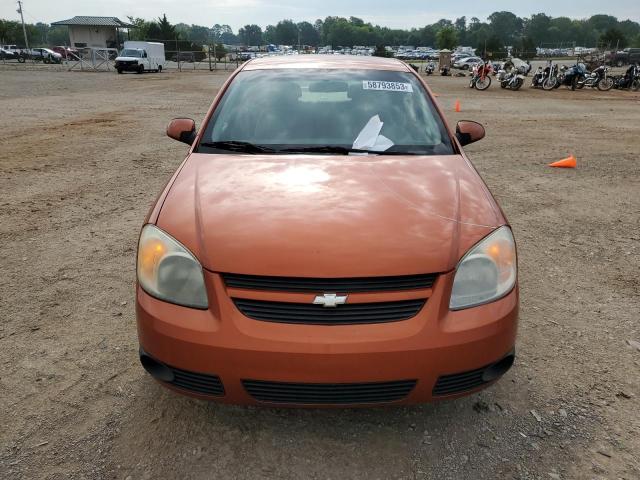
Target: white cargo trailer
x,y
141,57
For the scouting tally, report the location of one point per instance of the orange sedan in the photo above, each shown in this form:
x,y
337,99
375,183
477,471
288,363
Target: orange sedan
x,y
326,242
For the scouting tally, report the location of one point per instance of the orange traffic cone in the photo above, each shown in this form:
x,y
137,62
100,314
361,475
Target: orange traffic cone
x,y
569,162
457,106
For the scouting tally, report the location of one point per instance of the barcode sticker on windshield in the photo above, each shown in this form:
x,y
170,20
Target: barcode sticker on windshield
x,y
389,86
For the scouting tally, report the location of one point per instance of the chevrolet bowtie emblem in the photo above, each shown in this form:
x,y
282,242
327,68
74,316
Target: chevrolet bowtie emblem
x,y
330,300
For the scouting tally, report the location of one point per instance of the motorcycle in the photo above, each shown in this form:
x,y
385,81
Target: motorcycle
x,y
630,80
570,76
599,79
480,78
512,80
430,68
552,80
541,74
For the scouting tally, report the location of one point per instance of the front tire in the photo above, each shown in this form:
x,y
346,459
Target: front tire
x,y
605,84
483,83
141,69
119,71
635,86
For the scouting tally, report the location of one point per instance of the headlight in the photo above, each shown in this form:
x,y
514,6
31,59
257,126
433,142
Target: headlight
x,y
168,271
487,272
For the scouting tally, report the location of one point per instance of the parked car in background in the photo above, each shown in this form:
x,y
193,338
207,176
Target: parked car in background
x,y
627,56
312,251
12,48
184,57
66,52
467,63
8,54
45,55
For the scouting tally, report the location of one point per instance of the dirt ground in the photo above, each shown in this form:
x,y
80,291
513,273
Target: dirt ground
x,y
82,157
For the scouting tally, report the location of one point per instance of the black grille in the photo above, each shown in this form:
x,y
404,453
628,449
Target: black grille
x,y
196,382
332,285
459,382
347,314
328,393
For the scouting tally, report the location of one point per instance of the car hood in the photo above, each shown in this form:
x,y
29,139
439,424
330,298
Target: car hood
x,y
126,59
328,216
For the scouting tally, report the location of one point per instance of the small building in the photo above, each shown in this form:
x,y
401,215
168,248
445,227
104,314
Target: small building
x,y
445,58
95,32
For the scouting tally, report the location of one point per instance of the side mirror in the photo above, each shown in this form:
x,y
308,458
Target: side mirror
x,y
468,132
182,129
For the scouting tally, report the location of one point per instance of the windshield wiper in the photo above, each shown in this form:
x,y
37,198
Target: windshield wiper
x,y
337,149
238,146
320,149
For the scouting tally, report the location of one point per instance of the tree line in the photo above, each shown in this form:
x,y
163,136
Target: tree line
x,y
499,30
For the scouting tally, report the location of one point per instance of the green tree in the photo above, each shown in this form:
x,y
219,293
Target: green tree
x,y
536,28
162,29
58,35
602,23
562,29
613,37
526,48
223,34
286,32
461,29
308,34
447,38
250,35
220,51
141,28
269,34
506,26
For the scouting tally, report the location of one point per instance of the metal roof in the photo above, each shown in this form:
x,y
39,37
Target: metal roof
x,y
95,22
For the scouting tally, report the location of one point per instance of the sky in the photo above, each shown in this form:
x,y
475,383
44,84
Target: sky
x,y
236,13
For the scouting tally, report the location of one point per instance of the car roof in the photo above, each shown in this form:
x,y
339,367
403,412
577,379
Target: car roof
x,y
326,62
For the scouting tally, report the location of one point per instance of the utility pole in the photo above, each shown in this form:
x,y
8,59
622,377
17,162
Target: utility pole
x,y
24,30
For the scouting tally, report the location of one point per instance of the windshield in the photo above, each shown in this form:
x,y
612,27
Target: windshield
x,y
131,52
331,111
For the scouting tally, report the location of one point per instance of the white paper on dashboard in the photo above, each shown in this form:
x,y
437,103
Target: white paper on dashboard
x,y
382,144
369,137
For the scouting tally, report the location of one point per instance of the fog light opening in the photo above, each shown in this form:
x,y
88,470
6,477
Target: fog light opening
x,y
156,369
498,369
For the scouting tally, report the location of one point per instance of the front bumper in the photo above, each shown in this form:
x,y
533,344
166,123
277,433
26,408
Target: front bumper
x,y
223,343
127,66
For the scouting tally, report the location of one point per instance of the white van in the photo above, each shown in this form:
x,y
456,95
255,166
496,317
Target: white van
x,y
141,57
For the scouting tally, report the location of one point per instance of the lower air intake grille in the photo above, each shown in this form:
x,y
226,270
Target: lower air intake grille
x,y
337,285
310,314
196,382
459,382
328,393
